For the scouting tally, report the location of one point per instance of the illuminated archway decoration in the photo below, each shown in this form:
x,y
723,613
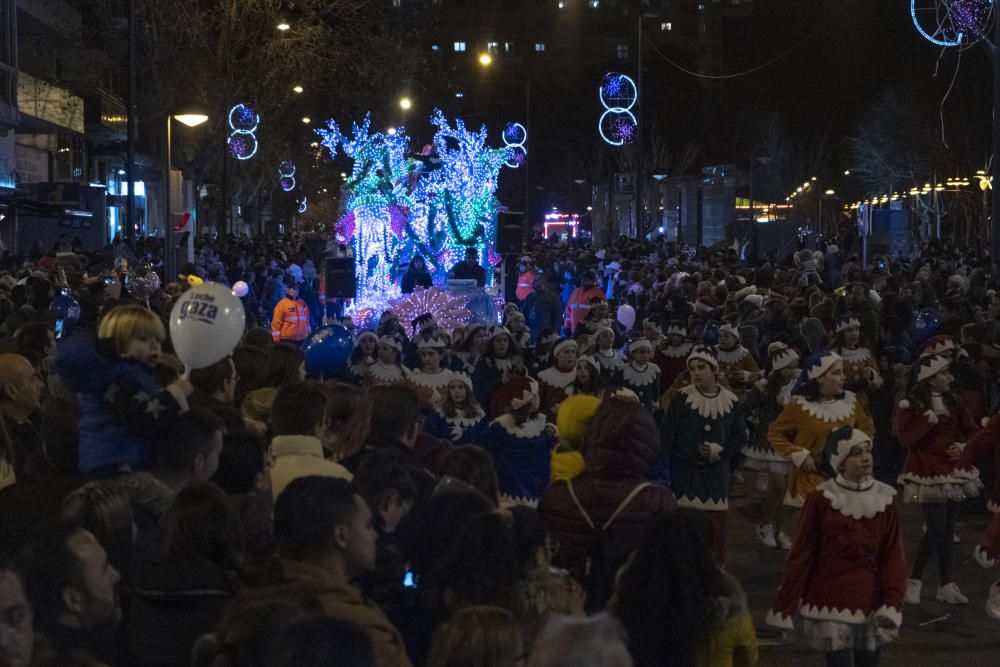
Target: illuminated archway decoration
x,y
515,136
243,121
952,23
618,94
286,172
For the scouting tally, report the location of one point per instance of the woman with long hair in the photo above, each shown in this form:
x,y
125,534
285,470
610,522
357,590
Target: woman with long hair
x,y
860,365
819,404
186,591
416,275
763,404
494,366
589,381
844,579
679,607
471,347
458,418
933,425
362,356
285,365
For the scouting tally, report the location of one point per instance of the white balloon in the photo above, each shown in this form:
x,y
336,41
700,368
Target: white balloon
x,y
240,289
626,315
206,325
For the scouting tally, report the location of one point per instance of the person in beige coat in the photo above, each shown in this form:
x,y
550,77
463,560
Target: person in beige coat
x,y
299,422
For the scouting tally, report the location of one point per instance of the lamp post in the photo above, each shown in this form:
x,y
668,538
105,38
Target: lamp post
x,y
829,194
191,118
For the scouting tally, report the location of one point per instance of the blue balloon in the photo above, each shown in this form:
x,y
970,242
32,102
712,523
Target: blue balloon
x,y
328,350
64,307
927,325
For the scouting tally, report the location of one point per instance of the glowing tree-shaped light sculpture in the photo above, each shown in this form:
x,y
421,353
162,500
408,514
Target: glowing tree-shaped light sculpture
x,y
398,205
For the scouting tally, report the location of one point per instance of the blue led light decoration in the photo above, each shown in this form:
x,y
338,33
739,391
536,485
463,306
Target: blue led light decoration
x,y
303,204
618,94
399,203
515,136
952,23
243,123
286,172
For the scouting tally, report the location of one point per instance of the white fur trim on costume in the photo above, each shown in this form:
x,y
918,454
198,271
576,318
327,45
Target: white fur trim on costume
x,y
714,450
799,457
982,558
635,377
826,362
713,407
682,350
625,394
391,341
529,429
734,356
864,503
554,377
384,374
856,356
778,620
837,410
642,343
704,353
674,330
843,447
904,404
931,366
515,501
569,342
932,418
433,342
891,613
705,504
793,501
847,323
824,613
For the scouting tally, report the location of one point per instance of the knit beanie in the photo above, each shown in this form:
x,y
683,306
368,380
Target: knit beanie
x,y
575,414
705,353
839,445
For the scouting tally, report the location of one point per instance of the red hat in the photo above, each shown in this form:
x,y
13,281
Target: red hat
x,y
515,394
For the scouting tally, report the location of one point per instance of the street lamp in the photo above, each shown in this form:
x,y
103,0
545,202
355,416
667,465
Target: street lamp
x,y
191,117
485,59
306,120
297,89
283,25
829,194
405,103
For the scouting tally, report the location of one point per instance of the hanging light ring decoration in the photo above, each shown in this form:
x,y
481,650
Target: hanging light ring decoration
x,y
618,94
952,23
286,171
243,123
515,136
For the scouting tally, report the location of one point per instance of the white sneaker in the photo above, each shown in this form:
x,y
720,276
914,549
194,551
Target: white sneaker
x,y
982,559
913,588
993,601
765,533
784,541
951,595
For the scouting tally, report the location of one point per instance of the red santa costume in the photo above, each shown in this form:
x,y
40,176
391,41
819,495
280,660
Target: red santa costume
x,y
845,576
672,359
933,426
554,380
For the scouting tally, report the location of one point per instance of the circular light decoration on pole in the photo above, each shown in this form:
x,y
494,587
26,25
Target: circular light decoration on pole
x,y
952,23
303,204
286,170
515,136
618,94
243,121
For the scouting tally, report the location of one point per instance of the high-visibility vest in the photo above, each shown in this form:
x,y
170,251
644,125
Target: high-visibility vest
x,y
290,321
524,287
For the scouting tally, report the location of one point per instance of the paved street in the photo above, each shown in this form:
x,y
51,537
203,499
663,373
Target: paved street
x,y
934,634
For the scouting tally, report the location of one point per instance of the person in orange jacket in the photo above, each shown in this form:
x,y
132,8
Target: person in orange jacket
x,y
525,279
290,322
579,301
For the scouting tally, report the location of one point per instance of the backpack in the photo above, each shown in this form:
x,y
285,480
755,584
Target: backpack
x,y
605,553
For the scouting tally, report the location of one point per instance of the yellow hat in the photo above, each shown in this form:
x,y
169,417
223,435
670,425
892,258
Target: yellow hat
x,y
574,415
194,281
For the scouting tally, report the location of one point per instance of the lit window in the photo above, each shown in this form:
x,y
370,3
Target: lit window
x,y
507,46
622,50
594,4
492,47
435,47
459,95
459,46
666,27
540,46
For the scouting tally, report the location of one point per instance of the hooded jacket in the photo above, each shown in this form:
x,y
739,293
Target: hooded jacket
x,y
622,444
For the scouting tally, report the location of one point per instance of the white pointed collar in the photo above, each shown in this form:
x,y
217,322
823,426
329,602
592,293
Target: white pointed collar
x,y
836,410
554,377
709,407
733,356
857,355
681,350
857,501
